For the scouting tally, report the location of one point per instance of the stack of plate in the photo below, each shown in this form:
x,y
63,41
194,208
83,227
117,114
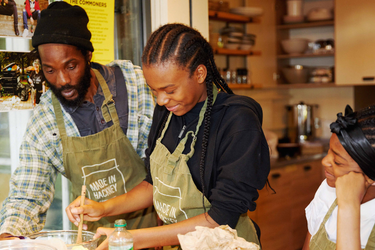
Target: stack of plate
x,y
247,11
248,40
232,37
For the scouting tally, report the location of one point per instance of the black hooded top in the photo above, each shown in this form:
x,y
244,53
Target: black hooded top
x,y
237,159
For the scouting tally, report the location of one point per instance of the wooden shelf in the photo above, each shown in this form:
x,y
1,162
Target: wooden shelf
x,y
285,56
306,25
230,17
306,85
236,52
244,86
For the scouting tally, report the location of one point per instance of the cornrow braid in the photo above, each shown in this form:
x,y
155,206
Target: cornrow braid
x,y
366,121
187,48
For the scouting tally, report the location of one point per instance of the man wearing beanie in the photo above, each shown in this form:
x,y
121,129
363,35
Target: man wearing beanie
x,y
91,126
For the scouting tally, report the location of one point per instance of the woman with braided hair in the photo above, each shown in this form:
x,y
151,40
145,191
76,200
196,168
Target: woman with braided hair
x,y
207,154
342,215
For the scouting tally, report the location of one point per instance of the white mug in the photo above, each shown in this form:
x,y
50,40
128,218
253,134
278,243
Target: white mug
x,y
294,7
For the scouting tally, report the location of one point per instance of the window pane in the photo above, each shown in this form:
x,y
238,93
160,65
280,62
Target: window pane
x,y
5,162
132,22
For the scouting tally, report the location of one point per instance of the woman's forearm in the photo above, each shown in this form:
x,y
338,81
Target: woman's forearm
x,y
348,227
139,197
167,235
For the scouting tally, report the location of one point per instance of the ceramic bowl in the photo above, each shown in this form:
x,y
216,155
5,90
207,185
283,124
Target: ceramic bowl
x,y
319,14
296,74
232,45
295,45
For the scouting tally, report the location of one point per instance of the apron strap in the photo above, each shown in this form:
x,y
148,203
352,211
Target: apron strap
x,y
59,115
201,118
371,240
328,214
165,126
108,106
175,156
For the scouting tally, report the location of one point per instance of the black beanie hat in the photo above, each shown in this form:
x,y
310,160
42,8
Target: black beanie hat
x,y
63,23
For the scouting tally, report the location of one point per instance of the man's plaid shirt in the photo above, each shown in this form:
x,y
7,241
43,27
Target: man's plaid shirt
x,y
32,185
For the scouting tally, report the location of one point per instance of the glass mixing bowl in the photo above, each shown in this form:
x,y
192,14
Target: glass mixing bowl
x,y
69,237
23,245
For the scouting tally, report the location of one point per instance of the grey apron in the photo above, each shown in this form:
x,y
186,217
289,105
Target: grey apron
x,y
320,240
105,162
176,197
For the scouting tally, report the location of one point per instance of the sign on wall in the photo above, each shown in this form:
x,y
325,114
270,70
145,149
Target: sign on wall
x,y
101,25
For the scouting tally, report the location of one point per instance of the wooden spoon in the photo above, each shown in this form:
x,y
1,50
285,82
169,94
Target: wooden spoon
x,y
83,195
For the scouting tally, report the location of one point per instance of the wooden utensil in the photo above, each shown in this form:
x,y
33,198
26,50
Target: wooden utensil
x,y
83,195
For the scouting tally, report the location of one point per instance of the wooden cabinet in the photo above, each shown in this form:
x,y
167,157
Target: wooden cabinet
x,y
355,47
281,215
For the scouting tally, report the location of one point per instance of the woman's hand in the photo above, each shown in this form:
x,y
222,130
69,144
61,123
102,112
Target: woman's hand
x,y
91,210
351,188
103,231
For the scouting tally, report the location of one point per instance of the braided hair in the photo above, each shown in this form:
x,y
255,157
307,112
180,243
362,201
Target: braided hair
x,y
366,121
187,48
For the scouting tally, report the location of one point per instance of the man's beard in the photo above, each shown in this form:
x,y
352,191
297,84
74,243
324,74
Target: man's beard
x,y
82,89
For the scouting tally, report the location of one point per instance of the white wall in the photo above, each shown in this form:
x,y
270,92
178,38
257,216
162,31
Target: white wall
x,y
178,11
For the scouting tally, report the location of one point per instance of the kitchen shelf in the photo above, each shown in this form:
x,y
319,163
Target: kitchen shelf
x,y
306,25
234,18
286,56
306,85
244,86
230,17
236,52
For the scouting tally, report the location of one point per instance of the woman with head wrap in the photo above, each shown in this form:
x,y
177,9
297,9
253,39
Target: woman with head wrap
x,y
342,215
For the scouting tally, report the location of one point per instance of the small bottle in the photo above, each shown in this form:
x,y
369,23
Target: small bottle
x,y
120,239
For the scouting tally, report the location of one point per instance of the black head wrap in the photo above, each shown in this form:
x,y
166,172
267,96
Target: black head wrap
x,y
63,23
354,141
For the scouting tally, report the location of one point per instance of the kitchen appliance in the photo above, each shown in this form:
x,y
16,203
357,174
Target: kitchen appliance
x,y
302,122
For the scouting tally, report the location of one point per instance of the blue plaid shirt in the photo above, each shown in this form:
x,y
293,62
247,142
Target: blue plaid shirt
x,y
32,184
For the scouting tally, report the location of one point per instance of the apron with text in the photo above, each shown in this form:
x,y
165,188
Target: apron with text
x,y
320,240
105,162
176,197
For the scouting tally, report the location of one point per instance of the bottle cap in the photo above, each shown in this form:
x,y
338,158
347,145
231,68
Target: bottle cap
x,y
120,223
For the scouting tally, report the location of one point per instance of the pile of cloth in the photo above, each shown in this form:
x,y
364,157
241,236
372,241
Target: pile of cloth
x,y
218,238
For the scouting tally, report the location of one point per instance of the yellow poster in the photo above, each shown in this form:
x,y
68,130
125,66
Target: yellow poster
x,y
101,25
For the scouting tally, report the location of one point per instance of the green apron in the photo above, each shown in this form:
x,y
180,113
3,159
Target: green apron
x,y
176,197
105,162
320,240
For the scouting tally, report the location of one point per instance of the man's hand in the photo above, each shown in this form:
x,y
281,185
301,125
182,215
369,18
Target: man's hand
x,y
91,210
6,236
